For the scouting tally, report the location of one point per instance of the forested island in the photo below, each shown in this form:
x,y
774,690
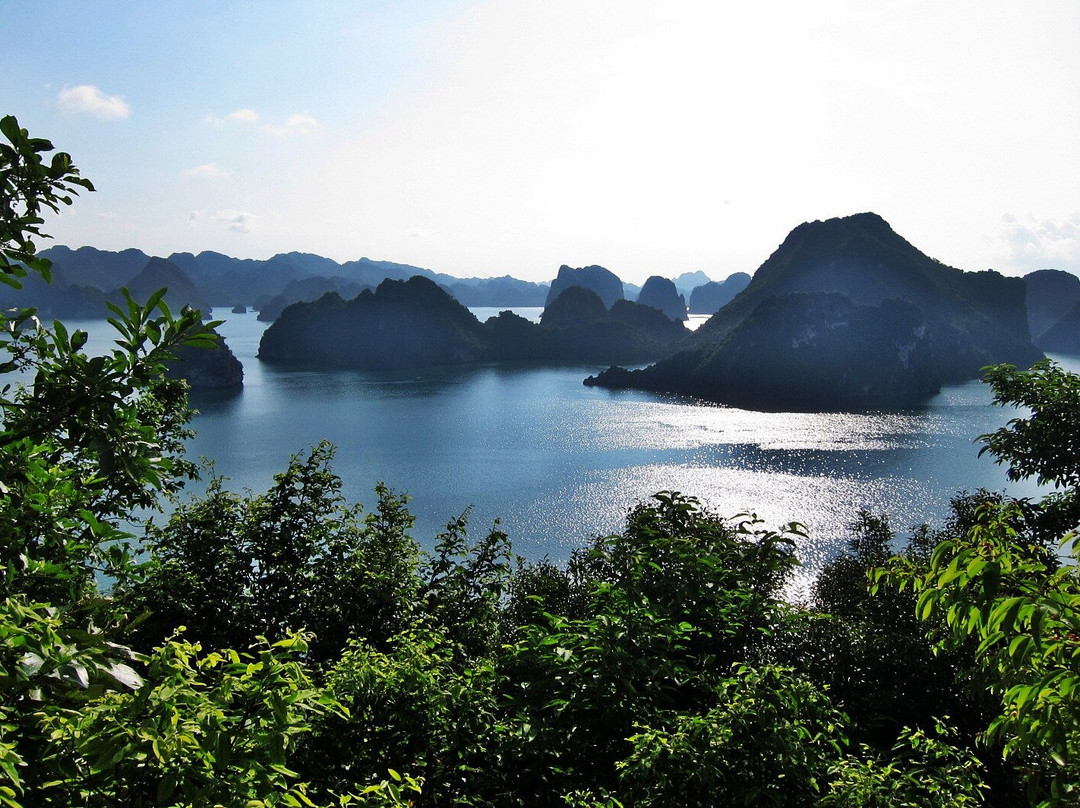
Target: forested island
x,y
415,323
846,313
286,648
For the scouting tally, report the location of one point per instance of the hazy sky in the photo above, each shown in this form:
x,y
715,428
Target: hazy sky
x,y
503,137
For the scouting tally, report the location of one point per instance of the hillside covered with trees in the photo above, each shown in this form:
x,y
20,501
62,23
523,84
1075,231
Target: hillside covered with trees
x,y
286,648
845,313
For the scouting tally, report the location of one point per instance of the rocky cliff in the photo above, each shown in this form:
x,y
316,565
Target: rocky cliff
x,y
846,313
603,282
415,323
1052,299
207,368
661,294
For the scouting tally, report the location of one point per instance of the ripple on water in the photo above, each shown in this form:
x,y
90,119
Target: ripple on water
x,y
825,505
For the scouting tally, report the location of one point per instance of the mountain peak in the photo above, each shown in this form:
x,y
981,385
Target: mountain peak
x,y
860,256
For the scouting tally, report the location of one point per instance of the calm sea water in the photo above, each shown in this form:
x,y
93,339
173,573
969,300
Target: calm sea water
x,y
557,462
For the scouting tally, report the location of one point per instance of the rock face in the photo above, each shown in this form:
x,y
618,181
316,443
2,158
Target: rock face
x,y
660,293
605,283
1052,300
207,368
415,323
846,313
713,296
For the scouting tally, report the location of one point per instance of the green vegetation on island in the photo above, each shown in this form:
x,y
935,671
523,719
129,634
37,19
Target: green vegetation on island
x,y
846,313
287,649
415,323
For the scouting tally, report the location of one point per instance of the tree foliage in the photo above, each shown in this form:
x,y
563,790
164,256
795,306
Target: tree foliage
x,y
1045,444
997,584
233,568
30,183
289,649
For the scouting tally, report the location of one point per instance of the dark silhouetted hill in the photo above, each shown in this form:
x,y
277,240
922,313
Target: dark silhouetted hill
x,y
503,291
649,321
311,288
574,306
688,281
709,298
661,294
803,351
162,274
603,282
409,323
228,281
55,300
862,257
577,327
1051,294
90,267
416,323
207,368
833,296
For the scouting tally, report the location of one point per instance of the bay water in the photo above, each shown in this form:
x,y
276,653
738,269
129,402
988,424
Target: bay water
x,y
556,462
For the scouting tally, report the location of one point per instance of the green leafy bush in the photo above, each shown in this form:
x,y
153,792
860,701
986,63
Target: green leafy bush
x,y
232,568
768,740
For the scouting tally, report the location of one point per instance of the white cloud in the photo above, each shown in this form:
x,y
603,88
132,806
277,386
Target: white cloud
x,y
205,170
301,123
244,115
1030,243
88,99
239,221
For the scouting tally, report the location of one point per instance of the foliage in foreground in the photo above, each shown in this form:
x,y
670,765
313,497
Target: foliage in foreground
x,y
659,666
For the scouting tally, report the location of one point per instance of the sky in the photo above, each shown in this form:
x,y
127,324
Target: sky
x,y
492,137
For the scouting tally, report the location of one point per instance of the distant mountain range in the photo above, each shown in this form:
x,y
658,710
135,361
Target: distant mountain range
x,y
844,313
84,276
226,281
